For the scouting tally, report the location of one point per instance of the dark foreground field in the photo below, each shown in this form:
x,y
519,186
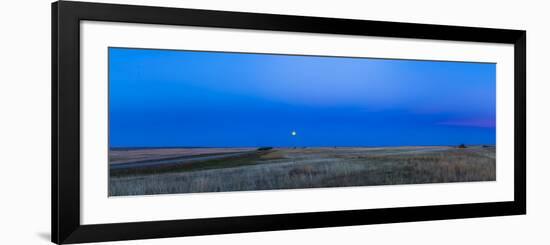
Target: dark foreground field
x,y
189,170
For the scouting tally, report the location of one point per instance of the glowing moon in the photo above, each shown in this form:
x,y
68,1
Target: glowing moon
x,y
293,133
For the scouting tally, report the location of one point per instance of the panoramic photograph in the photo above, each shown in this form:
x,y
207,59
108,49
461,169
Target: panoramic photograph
x,y
205,121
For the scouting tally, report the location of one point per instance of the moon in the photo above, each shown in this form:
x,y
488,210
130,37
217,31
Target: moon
x,y
293,133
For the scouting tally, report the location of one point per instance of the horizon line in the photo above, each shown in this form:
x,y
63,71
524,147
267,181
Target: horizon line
x,y
160,147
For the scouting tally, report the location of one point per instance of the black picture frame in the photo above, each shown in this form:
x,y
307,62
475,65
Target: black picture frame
x,y
66,17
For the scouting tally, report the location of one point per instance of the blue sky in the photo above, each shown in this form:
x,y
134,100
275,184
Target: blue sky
x,y
184,98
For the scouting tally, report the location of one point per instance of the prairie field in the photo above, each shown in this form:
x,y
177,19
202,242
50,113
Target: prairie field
x,y
194,170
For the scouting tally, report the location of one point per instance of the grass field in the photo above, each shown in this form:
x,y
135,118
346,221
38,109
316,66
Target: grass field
x,y
192,170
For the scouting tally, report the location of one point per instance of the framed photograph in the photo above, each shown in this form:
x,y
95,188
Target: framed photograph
x,y
176,122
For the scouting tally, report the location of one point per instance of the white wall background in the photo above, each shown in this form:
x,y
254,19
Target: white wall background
x,y
25,121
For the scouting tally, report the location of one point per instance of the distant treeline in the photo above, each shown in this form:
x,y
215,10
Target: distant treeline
x,y
265,148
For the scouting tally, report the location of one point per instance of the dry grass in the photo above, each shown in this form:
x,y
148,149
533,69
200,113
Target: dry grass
x,y
321,167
